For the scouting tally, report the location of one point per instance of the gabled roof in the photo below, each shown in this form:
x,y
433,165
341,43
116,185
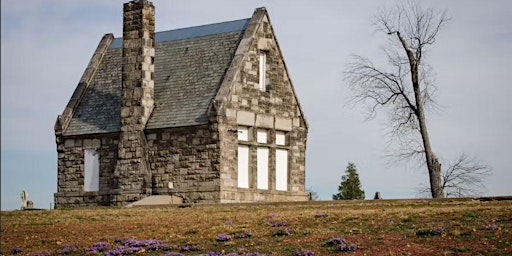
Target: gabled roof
x,y
190,64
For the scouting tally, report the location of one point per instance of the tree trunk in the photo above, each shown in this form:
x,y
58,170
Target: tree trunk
x,y
433,165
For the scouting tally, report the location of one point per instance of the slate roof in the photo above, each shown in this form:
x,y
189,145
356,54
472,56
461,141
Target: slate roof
x,y
189,66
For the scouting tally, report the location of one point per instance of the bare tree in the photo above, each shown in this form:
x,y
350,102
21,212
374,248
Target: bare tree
x,y
404,89
464,177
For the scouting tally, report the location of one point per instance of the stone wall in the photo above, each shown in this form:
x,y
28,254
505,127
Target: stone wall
x,y
274,109
70,183
189,158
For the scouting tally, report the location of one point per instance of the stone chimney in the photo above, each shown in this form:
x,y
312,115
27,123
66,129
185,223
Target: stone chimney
x,y
132,176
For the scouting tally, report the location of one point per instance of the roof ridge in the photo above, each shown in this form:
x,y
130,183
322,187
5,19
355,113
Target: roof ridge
x,y
193,32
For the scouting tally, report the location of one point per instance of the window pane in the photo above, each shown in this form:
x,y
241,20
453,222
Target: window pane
x,y
262,136
262,166
263,70
280,138
243,133
243,166
92,170
282,169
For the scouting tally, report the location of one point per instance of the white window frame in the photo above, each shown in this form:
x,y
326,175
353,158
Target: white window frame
x,y
262,136
243,166
262,167
243,133
282,169
263,71
91,170
281,138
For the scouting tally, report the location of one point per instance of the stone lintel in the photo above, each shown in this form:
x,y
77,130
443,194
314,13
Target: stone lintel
x,y
283,123
92,143
245,118
265,121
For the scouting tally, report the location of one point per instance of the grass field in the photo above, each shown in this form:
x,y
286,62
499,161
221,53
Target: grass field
x,y
385,227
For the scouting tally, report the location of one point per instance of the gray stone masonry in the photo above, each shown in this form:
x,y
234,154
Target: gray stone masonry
x,y
197,160
275,109
188,157
70,190
132,175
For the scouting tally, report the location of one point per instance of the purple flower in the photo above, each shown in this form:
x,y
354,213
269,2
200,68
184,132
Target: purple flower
x,y
340,244
173,254
320,215
189,247
223,237
279,224
16,250
244,235
149,244
345,248
229,222
491,226
98,247
121,250
439,231
335,241
306,253
42,254
283,232
68,248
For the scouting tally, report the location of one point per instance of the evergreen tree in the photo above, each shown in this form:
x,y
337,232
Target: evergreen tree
x,y
350,186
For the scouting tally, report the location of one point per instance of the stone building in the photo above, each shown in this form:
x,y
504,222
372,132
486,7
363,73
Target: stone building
x,y
205,113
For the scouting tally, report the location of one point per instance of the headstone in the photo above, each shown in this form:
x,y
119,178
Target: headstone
x,y
24,196
30,205
377,195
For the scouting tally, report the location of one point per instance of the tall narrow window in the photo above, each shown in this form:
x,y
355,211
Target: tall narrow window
x,y
262,165
282,169
243,158
243,166
281,162
92,170
263,70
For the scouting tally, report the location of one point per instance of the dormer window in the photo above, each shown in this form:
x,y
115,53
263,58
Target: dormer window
x,y
263,71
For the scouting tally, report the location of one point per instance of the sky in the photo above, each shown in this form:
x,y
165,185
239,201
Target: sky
x,y
46,46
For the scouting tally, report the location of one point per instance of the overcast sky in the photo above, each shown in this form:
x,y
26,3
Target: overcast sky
x,y
46,46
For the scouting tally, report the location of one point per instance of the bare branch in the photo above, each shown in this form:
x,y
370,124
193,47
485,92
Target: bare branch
x,y
465,177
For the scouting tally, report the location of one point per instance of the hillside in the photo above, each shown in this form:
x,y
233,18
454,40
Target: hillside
x,y
384,227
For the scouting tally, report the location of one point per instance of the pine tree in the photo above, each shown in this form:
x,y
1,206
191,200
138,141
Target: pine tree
x,y
350,186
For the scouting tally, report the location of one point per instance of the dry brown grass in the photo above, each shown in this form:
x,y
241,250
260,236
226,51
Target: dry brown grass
x,y
386,227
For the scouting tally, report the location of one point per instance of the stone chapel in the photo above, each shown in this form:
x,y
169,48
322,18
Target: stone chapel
x,y
205,113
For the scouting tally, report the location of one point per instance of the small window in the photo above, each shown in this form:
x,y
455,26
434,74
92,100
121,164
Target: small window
x,y
280,138
92,170
263,71
262,136
243,133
